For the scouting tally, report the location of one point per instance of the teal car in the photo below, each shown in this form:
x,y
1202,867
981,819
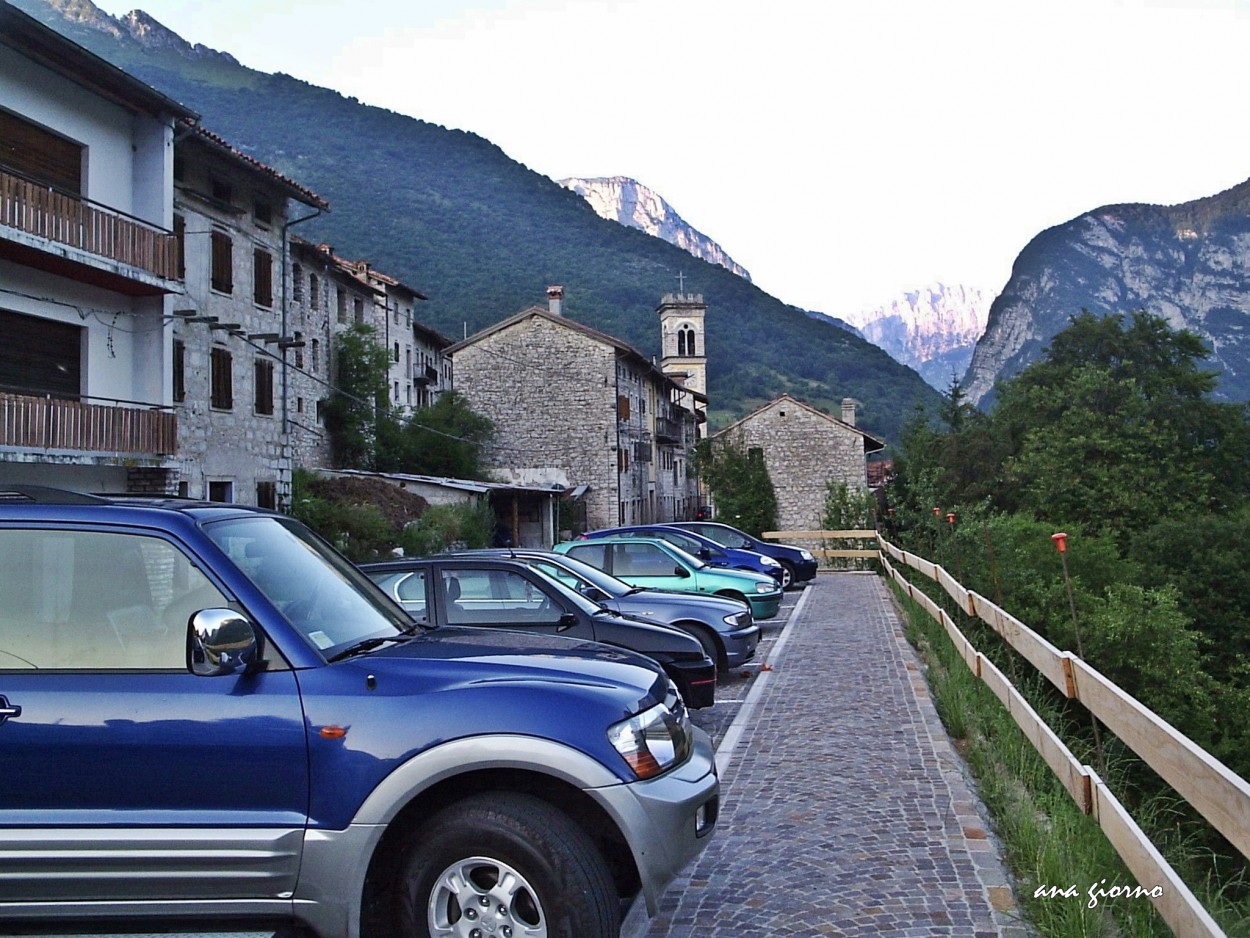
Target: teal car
x,y
655,564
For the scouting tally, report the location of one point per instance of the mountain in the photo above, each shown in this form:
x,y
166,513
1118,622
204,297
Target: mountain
x,y
483,236
1187,263
932,330
629,202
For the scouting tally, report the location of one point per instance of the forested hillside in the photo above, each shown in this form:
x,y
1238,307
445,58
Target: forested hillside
x,y
483,236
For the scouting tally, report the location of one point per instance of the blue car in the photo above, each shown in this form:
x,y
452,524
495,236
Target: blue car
x,y
208,713
799,565
705,548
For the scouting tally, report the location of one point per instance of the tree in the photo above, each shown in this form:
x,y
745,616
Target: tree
x,y
444,439
739,483
359,399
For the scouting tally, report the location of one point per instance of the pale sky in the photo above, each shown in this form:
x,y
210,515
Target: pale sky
x,y
843,151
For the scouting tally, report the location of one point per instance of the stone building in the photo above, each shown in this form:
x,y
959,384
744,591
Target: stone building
x,y
577,407
803,449
232,341
330,295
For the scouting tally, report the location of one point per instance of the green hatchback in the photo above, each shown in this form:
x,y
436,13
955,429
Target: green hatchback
x,y
655,564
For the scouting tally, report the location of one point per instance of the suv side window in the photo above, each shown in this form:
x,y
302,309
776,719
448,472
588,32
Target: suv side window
x,y
96,600
590,553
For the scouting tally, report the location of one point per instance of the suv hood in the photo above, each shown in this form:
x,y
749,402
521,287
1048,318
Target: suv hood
x,y
463,656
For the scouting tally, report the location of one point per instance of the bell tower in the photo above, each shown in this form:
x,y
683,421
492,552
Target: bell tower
x,y
682,341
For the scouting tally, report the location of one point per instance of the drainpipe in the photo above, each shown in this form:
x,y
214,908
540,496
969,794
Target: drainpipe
x,y
616,410
286,422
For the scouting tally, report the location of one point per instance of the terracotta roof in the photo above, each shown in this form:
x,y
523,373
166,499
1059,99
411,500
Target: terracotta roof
x,y
294,189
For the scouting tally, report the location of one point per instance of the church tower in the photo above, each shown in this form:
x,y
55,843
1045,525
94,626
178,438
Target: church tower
x,y
683,349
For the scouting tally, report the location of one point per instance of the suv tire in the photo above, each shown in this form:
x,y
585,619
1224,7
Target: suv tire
x,y
512,857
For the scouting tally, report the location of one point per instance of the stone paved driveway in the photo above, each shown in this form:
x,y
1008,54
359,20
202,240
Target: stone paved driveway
x,y
845,810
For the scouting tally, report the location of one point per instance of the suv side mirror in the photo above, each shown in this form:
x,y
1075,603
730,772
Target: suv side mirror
x,y
680,571
567,621
220,641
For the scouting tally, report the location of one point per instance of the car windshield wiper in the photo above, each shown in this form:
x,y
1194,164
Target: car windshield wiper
x,y
636,589
368,644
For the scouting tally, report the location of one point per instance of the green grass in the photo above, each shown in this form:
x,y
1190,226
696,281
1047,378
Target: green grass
x,y
1054,850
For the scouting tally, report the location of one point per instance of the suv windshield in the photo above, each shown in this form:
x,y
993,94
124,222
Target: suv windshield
x,y
332,603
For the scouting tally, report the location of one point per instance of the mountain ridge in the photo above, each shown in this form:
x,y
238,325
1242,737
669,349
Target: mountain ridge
x,y
1188,263
630,203
483,236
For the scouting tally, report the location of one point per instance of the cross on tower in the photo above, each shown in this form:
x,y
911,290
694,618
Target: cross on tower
x,y
681,282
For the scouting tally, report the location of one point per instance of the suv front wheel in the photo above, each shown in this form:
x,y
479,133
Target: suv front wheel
x,y
506,865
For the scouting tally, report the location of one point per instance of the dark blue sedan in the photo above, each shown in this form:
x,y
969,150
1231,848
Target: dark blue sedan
x,y
799,564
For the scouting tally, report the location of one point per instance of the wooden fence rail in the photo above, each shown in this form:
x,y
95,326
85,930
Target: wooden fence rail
x,y
1214,790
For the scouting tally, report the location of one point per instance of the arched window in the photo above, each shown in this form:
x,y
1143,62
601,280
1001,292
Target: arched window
x,y
686,342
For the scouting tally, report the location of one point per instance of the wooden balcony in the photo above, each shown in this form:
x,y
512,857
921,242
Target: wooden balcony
x,y
50,423
44,212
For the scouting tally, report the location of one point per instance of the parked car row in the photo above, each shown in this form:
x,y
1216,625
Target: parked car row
x,y
211,715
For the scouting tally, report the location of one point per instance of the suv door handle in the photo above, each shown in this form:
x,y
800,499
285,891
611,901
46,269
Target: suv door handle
x,y
8,710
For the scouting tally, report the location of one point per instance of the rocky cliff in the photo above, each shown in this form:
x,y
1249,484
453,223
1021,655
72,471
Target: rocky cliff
x,y
932,330
629,202
1188,263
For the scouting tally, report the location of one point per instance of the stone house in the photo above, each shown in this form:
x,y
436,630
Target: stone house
x,y
803,449
579,408
233,344
329,295
88,266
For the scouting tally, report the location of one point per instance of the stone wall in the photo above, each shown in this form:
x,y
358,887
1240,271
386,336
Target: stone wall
x,y
551,392
803,449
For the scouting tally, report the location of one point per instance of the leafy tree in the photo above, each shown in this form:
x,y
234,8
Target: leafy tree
x,y
739,483
359,399
444,439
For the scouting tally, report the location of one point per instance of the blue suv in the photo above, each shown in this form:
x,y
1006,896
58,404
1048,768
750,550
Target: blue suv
x,y
208,715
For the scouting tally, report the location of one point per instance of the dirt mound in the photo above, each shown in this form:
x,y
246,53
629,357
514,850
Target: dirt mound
x,y
397,505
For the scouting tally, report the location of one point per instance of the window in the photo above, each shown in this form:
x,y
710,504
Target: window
x,y
180,245
685,341
263,213
342,306
641,560
221,491
496,598
396,354
262,277
180,370
221,379
316,356
264,386
358,307
299,350
100,601
40,355
223,262
314,291
49,159
297,283
222,191
267,495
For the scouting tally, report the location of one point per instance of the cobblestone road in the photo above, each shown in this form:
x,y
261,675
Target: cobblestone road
x,y
845,809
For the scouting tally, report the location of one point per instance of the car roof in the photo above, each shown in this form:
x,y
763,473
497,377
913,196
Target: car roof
x,y
41,501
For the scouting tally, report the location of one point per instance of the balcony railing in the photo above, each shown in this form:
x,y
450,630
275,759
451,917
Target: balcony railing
x,y
45,212
50,423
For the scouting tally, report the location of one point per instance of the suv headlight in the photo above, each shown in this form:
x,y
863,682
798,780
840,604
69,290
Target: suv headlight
x,y
765,587
770,562
652,741
806,555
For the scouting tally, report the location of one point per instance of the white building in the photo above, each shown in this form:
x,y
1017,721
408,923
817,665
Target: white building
x,y
88,260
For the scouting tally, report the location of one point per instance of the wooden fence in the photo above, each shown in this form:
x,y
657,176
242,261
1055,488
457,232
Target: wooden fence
x,y
1215,791
49,423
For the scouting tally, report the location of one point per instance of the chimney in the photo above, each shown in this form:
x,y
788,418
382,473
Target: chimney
x,y
555,300
848,410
